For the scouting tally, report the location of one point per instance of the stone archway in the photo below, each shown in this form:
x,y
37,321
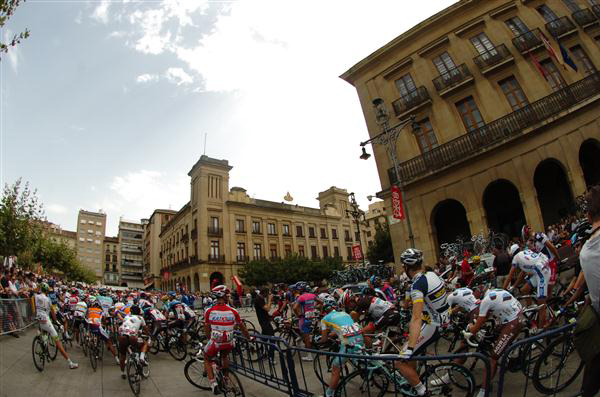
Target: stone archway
x,y
503,208
196,282
589,160
448,222
124,284
553,191
216,278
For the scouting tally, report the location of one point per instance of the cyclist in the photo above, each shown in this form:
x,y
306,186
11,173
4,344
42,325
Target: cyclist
x,y
349,334
43,311
386,289
506,310
535,265
540,243
129,332
380,313
95,317
305,309
428,294
79,311
220,322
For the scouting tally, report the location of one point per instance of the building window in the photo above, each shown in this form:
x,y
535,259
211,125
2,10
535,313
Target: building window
x,y
406,86
271,228
256,227
347,235
273,251
214,186
444,64
547,13
469,114
572,5
555,79
286,230
483,45
311,232
214,223
511,88
239,226
108,257
301,251
313,252
114,268
356,236
349,252
323,233
299,231
107,268
516,26
426,136
583,60
241,250
114,258
336,252
257,250
288,250
325,252
214,249
334,234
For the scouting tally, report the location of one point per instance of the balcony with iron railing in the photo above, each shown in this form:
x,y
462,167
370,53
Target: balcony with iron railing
x,y
596,10
242,259
185,238
412,101
585,17
500,131
493,59
527,41
452,80
560,27
216,258
256,231
214,231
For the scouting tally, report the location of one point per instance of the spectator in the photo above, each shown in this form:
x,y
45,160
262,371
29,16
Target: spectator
x,y
501,263
262,308
466,272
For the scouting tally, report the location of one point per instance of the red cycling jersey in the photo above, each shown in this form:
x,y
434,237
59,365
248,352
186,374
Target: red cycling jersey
x,y
222,320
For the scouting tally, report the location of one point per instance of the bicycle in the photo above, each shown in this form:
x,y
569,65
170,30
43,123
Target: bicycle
x,y
227,381
95,347
136,371
43,349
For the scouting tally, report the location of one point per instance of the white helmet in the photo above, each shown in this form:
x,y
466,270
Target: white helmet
x,y
513,249
411,257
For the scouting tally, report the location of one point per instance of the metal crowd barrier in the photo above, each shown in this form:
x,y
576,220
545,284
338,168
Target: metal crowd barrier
x,y
15,315
294,377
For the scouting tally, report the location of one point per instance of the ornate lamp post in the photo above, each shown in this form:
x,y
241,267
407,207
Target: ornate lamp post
x,y
359,216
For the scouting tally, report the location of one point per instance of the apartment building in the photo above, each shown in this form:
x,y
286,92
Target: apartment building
x,y
131,243
152,260
59,235
507,132
91,227
220,229
111,252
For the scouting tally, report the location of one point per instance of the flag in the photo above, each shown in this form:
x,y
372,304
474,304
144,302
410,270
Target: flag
x,y
566,58
550,49
397,208
538,66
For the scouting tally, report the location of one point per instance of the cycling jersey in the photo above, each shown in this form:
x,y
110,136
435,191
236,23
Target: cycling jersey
x,y
389,292
154,314
132,324
42,314
348,332
222,320
540,240
105,302
373,306
80,309
536,266
144,304
501,305
430,289
72,302
175,310
94,316
188,312
463,298
307,305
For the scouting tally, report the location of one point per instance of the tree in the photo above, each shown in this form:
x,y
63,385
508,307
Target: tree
x,y
21,217
7,9
381,249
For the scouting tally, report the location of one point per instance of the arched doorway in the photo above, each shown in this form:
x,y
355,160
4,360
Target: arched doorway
x,y
503,208
196,282
449,221
216,278
188,284
123,284
553,191
589,160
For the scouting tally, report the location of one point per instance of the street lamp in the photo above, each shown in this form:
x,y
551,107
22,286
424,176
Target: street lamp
x,y
359,216
388,138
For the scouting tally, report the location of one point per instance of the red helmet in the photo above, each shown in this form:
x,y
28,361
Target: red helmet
x,y
220,291
525,233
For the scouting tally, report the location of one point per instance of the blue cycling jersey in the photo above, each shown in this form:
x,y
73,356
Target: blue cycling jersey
x,y
344,326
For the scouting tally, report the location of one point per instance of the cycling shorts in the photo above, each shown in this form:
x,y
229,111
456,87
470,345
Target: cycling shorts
x,y
390,317
429,334
99,330
212,348
125,341
305,325
539,282
344,349
77,321
507,333
49,328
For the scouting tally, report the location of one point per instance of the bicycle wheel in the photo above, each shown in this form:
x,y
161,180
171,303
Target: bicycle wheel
x,y
232,386
93,354
557,367
249,325
134,375
196,374
146,368
52,349
38,351
177,349
322,368
360,383
449,375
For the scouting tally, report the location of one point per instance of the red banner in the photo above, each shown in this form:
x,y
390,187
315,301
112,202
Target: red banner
x,y
397,207
357,252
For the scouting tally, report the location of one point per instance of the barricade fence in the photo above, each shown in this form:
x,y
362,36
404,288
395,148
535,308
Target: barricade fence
x,y
15,315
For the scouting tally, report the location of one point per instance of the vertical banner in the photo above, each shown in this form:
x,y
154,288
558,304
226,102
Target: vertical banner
x,y
397,208
357,252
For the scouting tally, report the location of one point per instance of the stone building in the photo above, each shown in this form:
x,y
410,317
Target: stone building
x,y
507,134
91,227
111,252
131,243
220,229
152,260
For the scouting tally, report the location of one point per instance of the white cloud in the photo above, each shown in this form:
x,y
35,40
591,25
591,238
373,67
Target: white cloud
x,y
56,209
146,78
178,76
100,13
153,41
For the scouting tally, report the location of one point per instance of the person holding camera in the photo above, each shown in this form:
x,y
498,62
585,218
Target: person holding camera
x,y
262,307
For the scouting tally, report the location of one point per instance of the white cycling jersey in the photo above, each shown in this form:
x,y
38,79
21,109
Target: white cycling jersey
x,y
463,298
378,307
430,289
132,324
501,305
42,307
80,309
532,263
540,240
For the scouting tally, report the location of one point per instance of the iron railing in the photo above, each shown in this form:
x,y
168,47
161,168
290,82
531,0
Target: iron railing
x,y
527,41
560,26
411,100
242,259
584,17
497,132
452,78
492,57
216,258
214,231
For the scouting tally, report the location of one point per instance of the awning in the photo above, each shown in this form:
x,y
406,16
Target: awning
x,y
149,285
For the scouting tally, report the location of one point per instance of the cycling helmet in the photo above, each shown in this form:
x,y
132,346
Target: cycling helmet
x,y
75,291
92,300
44,287
337,293
119,306
329,304
476,259
135,310
164,298
302,286
220,291
525,233
375,280
171,294
514,249
412,257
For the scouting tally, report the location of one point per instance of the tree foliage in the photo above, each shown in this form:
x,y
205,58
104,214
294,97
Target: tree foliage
x,y
7,9
60,258
381,249
289,270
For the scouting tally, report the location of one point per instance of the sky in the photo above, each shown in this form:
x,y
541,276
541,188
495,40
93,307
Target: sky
x,y
108,104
